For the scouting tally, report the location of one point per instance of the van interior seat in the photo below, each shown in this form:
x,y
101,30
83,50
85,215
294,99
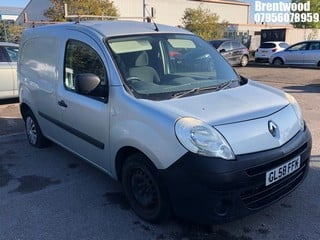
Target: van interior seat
x,y
142,71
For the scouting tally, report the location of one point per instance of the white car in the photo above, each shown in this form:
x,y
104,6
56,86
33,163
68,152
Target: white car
x,y
161,111
266,49
8,70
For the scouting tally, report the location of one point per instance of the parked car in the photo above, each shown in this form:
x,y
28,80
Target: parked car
x,y
8,70
161,111
234,51
302,53
266,49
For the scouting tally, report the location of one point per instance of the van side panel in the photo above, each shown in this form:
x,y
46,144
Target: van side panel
x,y
38,76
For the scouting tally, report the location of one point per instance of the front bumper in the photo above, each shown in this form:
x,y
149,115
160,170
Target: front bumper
x,y
212,190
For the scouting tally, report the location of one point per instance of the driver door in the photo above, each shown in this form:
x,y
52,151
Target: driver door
x,y
296,53
84,117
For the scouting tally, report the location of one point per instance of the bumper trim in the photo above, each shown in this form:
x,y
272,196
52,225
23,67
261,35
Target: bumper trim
x,y
212,190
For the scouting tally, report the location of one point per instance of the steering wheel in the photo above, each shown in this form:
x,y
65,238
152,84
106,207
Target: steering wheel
x,y
133,79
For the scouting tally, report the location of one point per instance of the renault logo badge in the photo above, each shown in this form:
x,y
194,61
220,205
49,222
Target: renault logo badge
x,y
272,127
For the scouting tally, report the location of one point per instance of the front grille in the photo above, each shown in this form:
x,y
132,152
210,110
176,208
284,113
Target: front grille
x,y
265,167
262,195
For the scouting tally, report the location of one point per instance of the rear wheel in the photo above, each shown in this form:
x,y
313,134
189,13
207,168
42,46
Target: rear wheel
x,y
33,131
244,61
143,189
278,62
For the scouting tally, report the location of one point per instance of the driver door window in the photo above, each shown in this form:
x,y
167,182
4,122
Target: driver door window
x,y
80,58
299,47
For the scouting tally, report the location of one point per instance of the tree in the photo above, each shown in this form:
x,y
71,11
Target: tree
x,y
307,19
9,32
80,7
3,31
203,23
15,32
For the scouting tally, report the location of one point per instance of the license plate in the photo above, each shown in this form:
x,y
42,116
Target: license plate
x,y
282,171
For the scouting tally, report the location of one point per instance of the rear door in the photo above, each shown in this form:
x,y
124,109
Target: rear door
x,y
84,118
312,56
265,50
237,51
226,51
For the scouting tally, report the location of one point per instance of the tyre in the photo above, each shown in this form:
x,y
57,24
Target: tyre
x,y
278,62
244,61
143,189
33,131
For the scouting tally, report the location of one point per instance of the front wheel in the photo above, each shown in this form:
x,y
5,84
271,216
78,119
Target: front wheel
x,y
278,62
143,189
33,131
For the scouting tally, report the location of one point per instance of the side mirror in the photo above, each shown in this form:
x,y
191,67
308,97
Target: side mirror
x,y
86,83
222,50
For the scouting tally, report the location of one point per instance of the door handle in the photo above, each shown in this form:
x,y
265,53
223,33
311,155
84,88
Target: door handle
x,y
62,103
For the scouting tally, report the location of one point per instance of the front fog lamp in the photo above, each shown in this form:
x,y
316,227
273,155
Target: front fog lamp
x,y
199,137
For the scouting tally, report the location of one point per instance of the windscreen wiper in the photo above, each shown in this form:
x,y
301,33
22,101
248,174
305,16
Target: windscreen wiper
x,y
227,84
184,93
198,89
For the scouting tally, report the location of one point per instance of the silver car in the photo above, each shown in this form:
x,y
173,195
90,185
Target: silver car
x,y
303,53
8,70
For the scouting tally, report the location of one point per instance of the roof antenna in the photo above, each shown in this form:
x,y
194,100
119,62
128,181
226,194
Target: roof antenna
x,y
150,19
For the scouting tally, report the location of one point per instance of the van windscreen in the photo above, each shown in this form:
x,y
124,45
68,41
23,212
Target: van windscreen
x,y
160,66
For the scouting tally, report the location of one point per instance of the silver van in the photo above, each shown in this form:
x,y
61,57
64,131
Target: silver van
x,y
160,110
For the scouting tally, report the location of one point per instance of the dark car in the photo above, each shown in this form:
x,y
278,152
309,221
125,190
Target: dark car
x,y
234,51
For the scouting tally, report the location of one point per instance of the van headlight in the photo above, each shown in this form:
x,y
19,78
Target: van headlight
x,y
201,138
293,102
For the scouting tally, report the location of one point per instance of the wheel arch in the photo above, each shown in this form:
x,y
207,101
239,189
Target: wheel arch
x,y
280,58
122,155
23,109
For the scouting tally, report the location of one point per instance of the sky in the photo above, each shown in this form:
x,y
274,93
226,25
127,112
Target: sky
x,y
14,3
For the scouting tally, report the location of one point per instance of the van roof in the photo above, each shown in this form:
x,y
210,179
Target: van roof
x,y
8,44
112,28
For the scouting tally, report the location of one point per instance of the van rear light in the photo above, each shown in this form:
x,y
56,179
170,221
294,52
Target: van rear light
x,y
274,50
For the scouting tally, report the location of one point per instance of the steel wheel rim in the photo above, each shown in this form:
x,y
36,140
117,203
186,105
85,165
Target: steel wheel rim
x,y
277,62
244,61
143,189
31,130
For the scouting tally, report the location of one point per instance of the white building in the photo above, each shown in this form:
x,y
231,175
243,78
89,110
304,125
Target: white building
x,y
9,13
166,11
171,11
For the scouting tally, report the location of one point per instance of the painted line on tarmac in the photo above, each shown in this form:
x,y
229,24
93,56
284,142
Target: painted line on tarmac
x,y
12,135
